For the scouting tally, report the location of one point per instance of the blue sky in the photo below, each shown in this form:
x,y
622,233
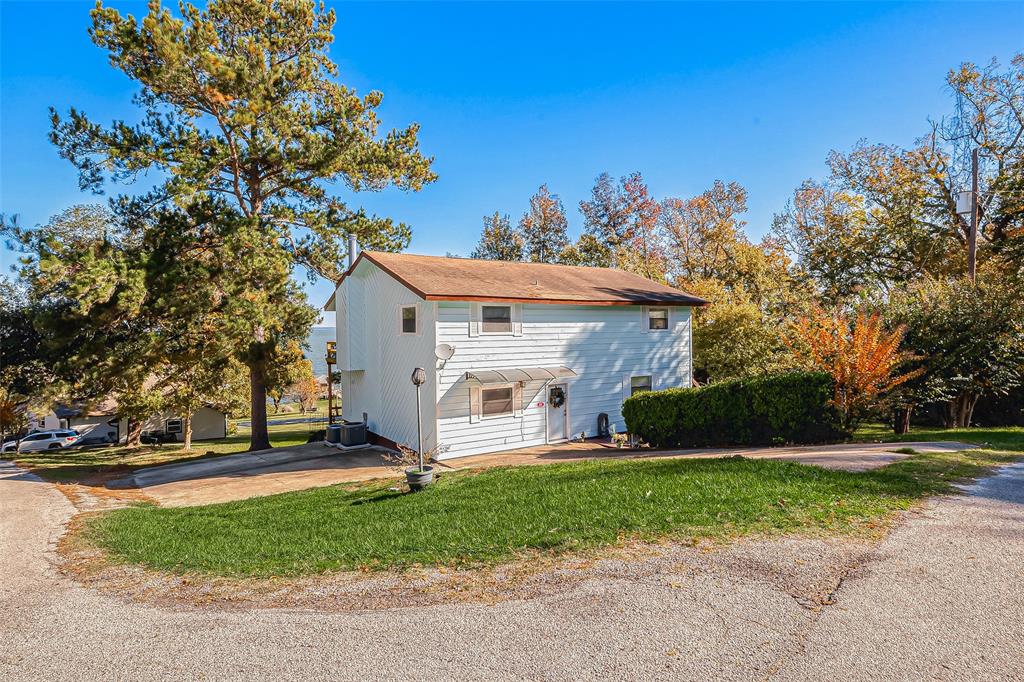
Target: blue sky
x,y
510,96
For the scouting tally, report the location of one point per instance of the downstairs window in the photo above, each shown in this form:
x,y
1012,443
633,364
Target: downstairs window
x,y
496,402
639,384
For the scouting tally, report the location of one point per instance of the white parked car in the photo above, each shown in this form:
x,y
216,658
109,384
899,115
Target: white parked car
x,y
43,440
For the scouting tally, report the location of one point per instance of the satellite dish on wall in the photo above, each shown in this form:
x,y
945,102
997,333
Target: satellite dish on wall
x,y
444,351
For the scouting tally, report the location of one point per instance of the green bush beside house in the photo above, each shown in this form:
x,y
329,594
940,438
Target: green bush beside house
x,y
769,410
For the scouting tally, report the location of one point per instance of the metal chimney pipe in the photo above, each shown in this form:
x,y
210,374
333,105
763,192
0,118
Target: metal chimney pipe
x,y
353,246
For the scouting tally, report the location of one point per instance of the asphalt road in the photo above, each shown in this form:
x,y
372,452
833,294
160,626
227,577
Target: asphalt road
x,y
940,598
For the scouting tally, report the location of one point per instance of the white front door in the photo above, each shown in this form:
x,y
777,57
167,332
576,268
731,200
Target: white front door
x,y
558,412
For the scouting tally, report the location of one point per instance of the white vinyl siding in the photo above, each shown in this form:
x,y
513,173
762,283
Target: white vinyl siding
x,y
382,359
605,345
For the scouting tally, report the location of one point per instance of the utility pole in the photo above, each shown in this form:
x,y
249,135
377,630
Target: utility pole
x,y
972,238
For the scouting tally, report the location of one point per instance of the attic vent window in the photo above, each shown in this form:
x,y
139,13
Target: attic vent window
x,y
497,319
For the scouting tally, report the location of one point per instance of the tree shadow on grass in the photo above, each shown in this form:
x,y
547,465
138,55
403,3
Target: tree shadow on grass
x,y
382,496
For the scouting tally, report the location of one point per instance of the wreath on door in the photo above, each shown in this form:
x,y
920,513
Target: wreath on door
x,y
556,396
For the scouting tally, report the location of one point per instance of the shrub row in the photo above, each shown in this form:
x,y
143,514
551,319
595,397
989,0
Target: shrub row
x,y
769,410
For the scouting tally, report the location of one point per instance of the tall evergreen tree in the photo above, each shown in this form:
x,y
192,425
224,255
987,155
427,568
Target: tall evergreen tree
x,y
544,227
499,240
240,104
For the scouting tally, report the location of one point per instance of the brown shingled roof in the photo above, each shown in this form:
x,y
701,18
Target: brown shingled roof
x,y
465,279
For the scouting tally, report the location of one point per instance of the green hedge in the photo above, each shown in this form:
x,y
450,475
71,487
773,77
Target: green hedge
x,y
768,410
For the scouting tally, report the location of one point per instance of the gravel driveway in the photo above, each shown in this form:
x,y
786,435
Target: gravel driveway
x,y
939,598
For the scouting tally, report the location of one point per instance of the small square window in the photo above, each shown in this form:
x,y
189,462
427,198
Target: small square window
x,y
639,384
173,426
496,319
409,319
657,318
496,402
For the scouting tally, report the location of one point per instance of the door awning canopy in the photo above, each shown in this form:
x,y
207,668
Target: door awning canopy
x,y
505,376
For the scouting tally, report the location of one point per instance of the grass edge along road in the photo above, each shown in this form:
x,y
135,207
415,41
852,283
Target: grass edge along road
x,y
491,516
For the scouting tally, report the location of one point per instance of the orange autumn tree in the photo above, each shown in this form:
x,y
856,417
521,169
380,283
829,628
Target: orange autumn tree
x,y
862,357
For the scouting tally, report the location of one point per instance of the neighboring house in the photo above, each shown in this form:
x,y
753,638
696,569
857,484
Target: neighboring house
x,y
100,420
43,422
104,421
321,385
540,351
207,424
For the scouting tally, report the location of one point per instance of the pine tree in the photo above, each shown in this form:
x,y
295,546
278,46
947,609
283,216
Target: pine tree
x,y
241,111
544,227
499,241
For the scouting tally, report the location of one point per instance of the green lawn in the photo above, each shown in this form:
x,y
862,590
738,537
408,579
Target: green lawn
x,y
78,465
995,438
495,515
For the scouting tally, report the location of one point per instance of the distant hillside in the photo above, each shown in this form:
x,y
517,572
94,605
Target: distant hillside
x,y
317,350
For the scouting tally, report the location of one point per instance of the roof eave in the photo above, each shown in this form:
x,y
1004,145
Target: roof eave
x,y
696,302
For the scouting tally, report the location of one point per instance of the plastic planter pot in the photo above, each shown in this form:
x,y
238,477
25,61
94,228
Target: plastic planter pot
x,y
419,479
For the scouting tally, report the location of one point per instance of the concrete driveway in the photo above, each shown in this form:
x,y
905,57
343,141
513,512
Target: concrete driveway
x,y
939,598
268,472
235,477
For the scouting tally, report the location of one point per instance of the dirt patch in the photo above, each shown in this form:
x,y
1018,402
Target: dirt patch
x,y
89,498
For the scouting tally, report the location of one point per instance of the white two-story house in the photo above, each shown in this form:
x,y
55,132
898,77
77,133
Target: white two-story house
x,y
516,354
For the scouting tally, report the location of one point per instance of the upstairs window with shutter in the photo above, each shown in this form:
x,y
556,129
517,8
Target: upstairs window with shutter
x,y
496,319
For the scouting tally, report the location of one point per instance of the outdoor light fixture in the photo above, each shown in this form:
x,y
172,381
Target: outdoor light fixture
x,y
418,378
